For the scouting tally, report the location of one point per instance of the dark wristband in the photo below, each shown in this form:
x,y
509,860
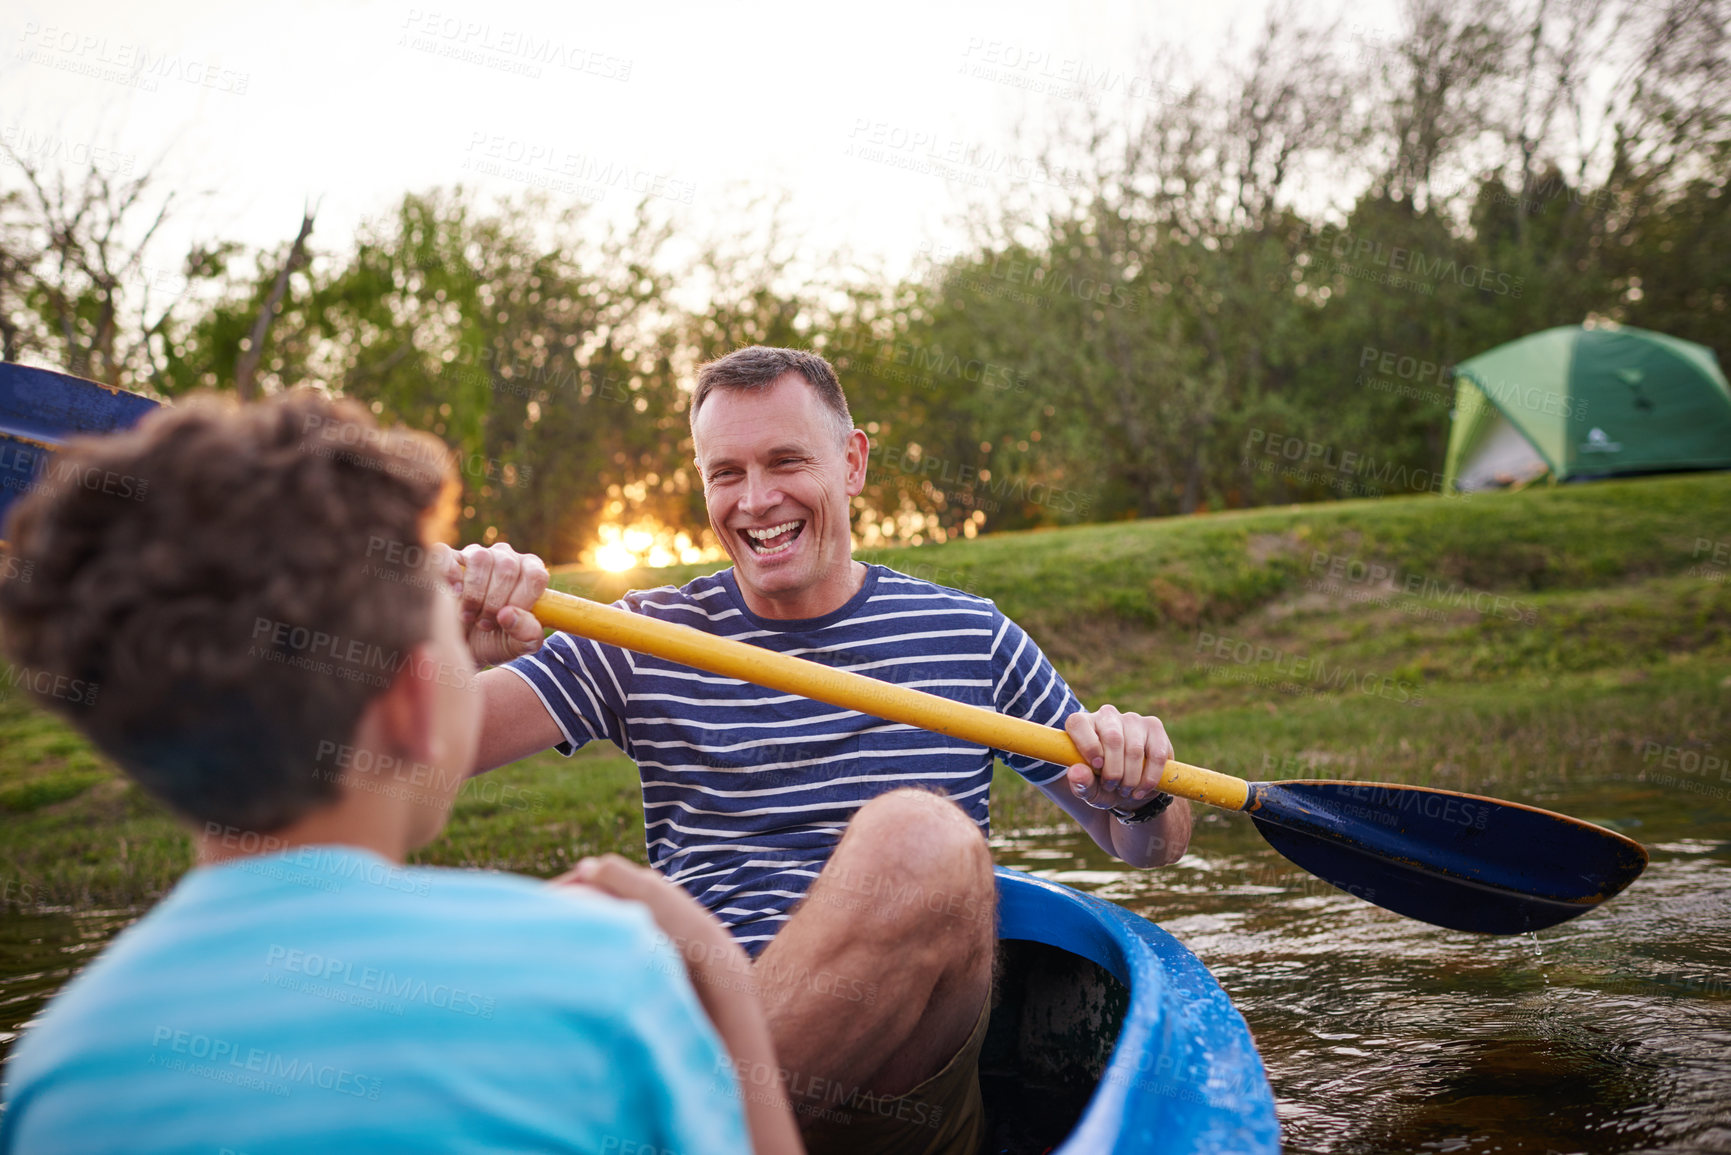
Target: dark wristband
x,y
1152,808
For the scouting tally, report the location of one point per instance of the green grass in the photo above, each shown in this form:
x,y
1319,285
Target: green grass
x,y
1613,631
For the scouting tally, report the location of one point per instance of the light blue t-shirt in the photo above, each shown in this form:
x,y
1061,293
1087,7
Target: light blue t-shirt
x,y
324,999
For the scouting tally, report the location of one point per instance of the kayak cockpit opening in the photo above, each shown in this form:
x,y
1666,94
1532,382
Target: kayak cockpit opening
x,y
1055,1018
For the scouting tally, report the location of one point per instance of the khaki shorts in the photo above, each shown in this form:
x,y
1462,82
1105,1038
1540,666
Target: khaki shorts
x,y
944,1115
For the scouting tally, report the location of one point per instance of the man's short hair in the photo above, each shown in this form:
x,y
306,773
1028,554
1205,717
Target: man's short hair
x,y
760,366
235,605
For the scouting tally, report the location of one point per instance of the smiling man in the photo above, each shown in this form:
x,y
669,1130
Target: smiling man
x,y
847,854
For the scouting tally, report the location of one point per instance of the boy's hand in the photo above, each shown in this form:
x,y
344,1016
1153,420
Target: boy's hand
x,y
495,586
714,961
721,974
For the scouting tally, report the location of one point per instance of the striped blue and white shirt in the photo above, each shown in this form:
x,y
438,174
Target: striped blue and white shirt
x,y
746,791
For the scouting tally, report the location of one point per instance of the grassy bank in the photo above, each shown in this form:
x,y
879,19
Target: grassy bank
x,y
1494,643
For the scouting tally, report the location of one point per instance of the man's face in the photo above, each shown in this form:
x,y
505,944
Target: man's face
x,y
777,480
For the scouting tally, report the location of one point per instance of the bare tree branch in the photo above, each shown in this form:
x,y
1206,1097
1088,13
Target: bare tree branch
x,y
246,368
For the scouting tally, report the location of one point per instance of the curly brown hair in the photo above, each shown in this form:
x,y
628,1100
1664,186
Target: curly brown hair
x,y
191,602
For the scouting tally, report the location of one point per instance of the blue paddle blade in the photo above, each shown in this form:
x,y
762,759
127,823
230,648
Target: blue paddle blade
x,y
1453,860
39,410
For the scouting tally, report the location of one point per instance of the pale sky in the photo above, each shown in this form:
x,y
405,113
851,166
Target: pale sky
x,y
849,109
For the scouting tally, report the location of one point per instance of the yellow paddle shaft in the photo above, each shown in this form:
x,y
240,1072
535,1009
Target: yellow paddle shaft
x,y
851,691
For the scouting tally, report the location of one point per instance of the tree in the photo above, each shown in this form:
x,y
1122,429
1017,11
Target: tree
x,y
1291,246
80,286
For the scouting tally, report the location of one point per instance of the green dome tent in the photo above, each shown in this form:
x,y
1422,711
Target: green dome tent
x,y
1580,402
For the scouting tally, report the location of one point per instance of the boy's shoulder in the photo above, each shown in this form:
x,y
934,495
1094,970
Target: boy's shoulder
x,y
268,913
319,883
339,930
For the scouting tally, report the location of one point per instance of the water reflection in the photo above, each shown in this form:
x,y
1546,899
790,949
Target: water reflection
x,y
39,952
1608,1034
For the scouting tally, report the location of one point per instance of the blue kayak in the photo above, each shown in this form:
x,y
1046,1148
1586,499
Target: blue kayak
x,y
1109,1036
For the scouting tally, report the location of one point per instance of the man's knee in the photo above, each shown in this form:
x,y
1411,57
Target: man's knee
x,y
917,853
925,826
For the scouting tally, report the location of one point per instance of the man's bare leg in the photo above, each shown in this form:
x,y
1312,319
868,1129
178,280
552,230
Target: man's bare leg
x,y
906,902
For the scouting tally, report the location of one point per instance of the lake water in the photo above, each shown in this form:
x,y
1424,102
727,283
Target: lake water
x,y
1608,1034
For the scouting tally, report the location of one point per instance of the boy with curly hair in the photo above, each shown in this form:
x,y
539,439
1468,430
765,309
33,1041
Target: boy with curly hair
x,y
312,716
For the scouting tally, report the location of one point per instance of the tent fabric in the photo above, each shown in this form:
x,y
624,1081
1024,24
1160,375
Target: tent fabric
x,y
1503,457
1588,402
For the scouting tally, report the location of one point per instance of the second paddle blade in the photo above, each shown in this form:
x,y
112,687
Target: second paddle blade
x,y
1453,860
